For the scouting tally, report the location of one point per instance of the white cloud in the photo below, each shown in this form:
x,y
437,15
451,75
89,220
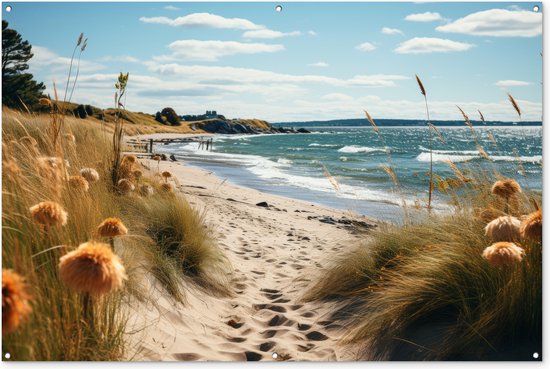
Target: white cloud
x,y
320,64
497,23
391,31
424,45
423,17
233,75
312,33
214,49
120,58
204,20
171,7
365,46
269,34
45,58
337,96
511,83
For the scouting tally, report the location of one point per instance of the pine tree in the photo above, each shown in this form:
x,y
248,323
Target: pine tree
x,y
18,89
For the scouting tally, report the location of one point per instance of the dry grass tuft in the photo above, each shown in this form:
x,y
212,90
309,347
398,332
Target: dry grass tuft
x,y
426,291
15,301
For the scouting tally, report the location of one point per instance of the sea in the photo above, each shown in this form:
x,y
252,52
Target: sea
x,y
347,167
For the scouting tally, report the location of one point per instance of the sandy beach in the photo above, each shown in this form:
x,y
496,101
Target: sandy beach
x,y
276,252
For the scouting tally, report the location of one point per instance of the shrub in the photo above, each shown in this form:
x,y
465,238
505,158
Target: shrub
x,y
171,116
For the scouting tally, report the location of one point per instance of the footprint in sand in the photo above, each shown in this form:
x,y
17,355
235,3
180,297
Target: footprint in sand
x,y
234,324
277,320
186,357
253,356
276,308
316,336
266,346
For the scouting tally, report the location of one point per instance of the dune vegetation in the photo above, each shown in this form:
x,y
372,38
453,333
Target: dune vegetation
x,y
83,227
465,284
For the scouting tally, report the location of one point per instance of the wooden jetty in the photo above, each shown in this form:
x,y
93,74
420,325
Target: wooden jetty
x,y
147,146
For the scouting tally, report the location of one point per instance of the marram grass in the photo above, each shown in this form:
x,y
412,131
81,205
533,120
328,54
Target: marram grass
x,y
43,220
434,290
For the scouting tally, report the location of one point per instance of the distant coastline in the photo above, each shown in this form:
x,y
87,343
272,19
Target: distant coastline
x,y
401,123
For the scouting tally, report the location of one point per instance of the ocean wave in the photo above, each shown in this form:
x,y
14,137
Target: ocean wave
x,y
284,161
275,173
353,149
425,157
450,152
322,145
437,157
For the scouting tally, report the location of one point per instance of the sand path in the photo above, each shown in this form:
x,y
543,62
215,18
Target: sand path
x,y
276,252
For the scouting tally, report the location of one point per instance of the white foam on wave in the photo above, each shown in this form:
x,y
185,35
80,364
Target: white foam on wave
x,y
315,144
284,161
457,152
353,149
437,157
274,172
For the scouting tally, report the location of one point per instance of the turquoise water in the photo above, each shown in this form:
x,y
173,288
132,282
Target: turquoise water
x,y
294,165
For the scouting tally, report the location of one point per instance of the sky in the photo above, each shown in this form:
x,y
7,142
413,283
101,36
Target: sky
x,y
310,61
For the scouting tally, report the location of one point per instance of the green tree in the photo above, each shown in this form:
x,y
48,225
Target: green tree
x,y
18,88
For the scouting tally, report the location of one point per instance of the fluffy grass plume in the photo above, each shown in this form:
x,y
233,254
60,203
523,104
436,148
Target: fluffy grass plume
x,y
506,188
481,116
531,226
503,254
111,227
374,126
505,228
49,214
146,190
15,301
92,268
124,186
167,188
514,104
90,174
79,183
420,85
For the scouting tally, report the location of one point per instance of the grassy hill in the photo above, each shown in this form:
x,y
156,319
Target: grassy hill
x,y
144,123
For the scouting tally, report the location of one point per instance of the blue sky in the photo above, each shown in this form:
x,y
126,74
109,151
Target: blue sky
x,y
312,61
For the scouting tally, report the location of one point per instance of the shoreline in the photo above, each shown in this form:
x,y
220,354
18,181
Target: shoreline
x,y
276,253
239,175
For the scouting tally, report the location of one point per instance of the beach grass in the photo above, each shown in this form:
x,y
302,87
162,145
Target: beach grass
x,y
423,290
37,170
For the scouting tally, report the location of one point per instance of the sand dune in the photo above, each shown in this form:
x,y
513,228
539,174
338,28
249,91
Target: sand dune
x,y
276,252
